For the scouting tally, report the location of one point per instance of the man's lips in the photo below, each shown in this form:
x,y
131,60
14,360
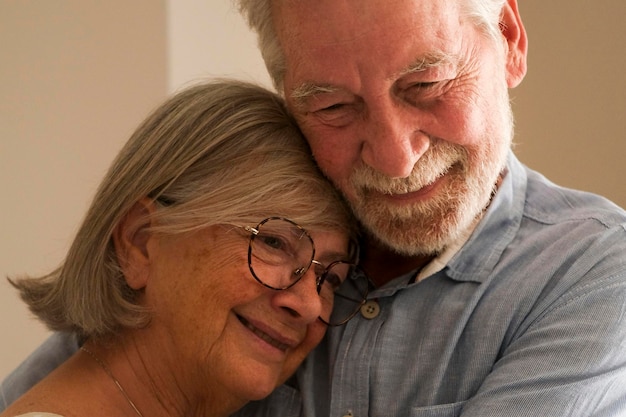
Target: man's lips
x,y
282,345
409,195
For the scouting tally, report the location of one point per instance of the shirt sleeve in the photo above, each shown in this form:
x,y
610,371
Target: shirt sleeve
x,y
568,361
54,351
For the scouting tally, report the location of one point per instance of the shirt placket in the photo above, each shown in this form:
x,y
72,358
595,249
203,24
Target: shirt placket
x,y
354,360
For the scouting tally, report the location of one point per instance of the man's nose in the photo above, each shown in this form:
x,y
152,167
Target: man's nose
x,y
392,139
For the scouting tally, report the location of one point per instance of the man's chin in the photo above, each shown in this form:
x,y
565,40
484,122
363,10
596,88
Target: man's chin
x,y
407,238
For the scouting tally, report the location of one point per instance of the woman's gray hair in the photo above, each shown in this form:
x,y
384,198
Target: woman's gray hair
x,y
223,152
258,13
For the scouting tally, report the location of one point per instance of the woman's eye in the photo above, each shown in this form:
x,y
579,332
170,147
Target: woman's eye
x,y
333,280
273,242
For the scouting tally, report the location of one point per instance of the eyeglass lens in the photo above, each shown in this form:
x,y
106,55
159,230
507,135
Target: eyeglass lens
x,y
280,254
342,299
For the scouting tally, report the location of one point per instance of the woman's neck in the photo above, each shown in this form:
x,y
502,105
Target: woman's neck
x,y
156,384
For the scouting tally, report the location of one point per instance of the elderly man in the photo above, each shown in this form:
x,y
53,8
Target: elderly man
x,y
495,292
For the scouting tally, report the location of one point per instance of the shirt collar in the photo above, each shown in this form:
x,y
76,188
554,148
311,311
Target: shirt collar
x,y
473,256
441,260
476,260
475,253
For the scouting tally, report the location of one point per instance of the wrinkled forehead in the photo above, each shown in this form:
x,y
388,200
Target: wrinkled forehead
x,y
326,41
308,23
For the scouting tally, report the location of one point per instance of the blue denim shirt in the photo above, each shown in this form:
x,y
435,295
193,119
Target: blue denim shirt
x,y
528,318
53,352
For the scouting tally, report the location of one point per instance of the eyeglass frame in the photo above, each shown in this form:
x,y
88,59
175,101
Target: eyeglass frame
x,y
319,278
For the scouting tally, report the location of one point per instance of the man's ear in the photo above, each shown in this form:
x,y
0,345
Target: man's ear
x,y
514,34
131,238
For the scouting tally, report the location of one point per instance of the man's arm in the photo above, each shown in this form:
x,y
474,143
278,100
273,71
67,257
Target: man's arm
x,y
54,351
570,361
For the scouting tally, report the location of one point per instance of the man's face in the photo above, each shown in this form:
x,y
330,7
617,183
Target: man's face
x,y
405,106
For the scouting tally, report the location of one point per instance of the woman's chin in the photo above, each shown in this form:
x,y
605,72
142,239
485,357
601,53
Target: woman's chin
x,y
261,391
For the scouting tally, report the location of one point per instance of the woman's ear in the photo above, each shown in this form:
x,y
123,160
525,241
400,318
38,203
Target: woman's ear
x,y
131,238
514,34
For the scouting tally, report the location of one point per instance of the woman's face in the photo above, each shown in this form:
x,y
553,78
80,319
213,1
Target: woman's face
x,y
223,331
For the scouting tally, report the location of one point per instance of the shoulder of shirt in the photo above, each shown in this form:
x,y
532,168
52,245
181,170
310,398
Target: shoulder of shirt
x,y
549,203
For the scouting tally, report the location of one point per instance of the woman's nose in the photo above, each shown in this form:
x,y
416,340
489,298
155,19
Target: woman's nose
x,y
301,300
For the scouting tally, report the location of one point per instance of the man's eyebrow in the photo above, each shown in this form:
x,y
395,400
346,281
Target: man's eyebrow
x,y
306,90
431,60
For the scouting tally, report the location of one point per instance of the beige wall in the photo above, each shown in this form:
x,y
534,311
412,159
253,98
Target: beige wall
x,y
77,75
209,38
571,108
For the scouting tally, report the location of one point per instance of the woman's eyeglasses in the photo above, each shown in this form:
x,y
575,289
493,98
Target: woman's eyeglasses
x,y
280,252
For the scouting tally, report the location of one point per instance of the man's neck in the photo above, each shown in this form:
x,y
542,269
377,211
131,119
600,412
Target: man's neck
x,y
382,264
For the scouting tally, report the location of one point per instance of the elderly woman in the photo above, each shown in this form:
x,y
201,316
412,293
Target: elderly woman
x,y
205,270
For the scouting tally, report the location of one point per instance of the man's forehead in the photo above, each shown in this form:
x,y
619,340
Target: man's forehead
x,y
320,58
315,27
307,89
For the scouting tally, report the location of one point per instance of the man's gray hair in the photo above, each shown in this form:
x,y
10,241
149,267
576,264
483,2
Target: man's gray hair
x,y
258,14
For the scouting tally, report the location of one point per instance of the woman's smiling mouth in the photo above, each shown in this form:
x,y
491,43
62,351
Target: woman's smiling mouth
x,y
264,336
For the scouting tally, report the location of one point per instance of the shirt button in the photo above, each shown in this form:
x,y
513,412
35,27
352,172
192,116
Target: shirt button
x,y
370,310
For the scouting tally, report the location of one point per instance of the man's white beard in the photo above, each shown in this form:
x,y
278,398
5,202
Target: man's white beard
x,y
426,228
